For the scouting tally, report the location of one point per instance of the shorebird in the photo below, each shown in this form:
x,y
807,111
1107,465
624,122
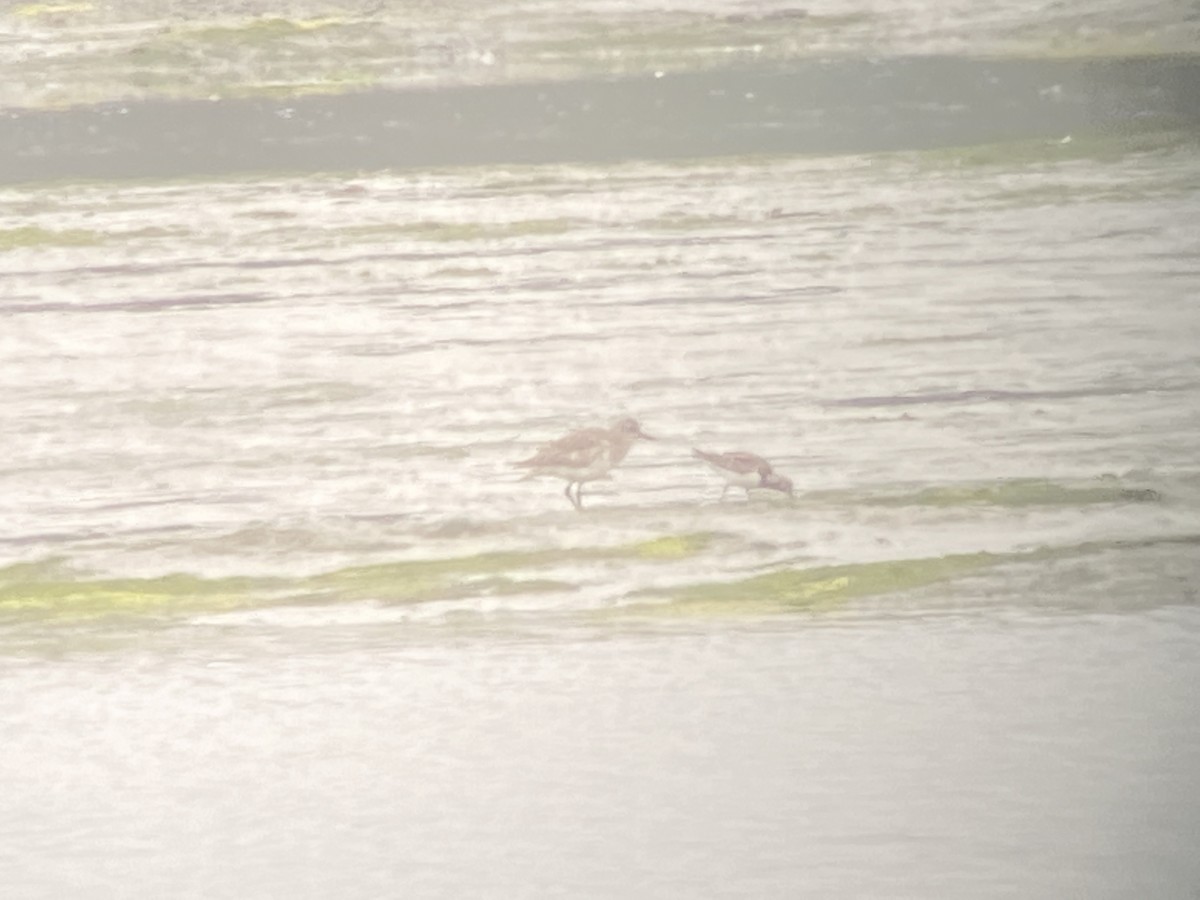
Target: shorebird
x,y
584,455
745,470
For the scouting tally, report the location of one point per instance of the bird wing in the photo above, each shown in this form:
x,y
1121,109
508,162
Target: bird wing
x,y
577,449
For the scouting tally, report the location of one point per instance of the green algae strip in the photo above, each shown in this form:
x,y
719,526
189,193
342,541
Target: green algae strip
x,y
1015,493
35,10
826,587
255,31
51,588
114,596
33,236
1154,136
435,579
813,588
471,231
1022,492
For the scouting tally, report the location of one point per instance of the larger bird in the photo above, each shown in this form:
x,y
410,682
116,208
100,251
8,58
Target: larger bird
x,y
745,470
585,455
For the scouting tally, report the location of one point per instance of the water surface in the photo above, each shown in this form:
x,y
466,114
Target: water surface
x,y
278,616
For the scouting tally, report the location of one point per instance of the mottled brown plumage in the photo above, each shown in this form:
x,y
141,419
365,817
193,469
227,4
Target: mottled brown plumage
x,y
585,455
745,470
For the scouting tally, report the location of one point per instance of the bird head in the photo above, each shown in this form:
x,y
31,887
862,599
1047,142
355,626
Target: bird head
x,y
630,427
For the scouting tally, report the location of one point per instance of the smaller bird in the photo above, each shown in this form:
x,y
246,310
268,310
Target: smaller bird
x,y
745,470
584,455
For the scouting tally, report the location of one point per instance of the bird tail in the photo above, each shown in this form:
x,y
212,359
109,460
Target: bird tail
x,y
530,465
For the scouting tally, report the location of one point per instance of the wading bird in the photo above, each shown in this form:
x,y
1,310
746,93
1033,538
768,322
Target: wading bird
x,y
745,470
584,455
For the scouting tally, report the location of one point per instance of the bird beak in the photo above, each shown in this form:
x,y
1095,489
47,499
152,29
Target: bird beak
x,y
645,436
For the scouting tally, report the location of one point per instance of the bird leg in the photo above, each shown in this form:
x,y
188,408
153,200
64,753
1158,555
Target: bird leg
x,y
579,496
724,491
573,497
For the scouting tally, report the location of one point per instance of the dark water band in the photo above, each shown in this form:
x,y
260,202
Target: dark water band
x,y
808,107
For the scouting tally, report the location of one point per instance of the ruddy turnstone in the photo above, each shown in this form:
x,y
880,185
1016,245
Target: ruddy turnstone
x,y
745,470
584,455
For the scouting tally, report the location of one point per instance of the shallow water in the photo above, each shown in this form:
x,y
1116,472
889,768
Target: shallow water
x,y
278,616
899,753
63,53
